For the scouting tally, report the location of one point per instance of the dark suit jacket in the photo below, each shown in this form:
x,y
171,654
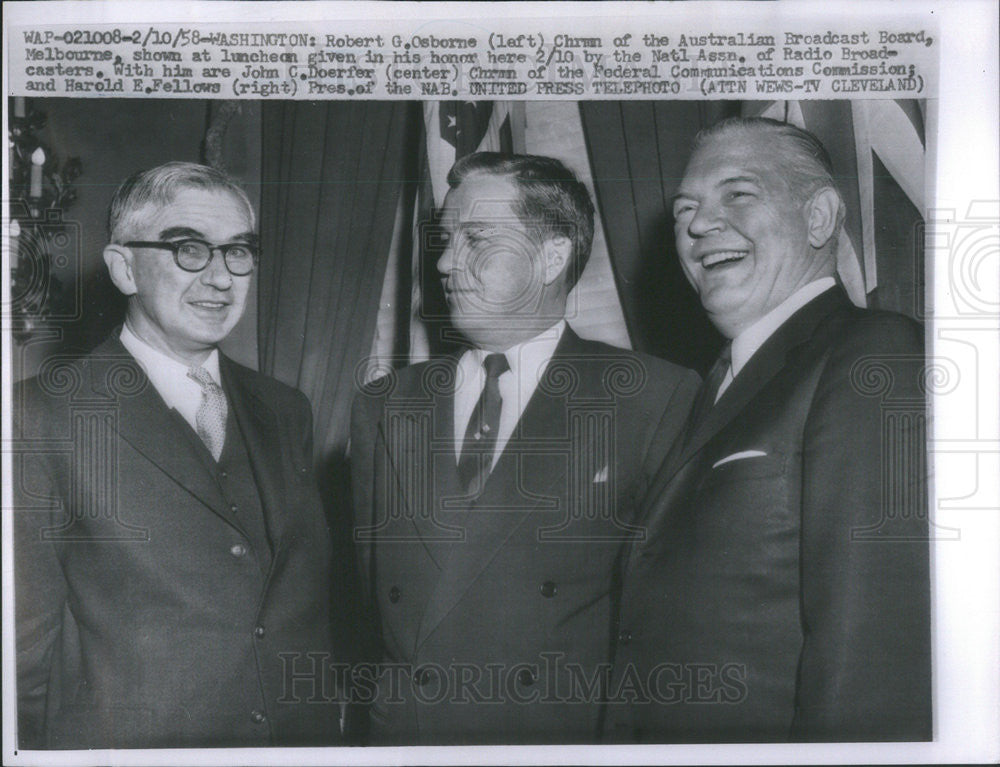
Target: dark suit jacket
x,y
785,595
145,617
501,605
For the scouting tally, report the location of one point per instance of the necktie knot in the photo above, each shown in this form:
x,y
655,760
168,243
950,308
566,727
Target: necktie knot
x,y
496,365
202,377
726,354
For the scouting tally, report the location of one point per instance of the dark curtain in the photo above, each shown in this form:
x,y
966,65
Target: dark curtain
x,y
331,178
332,174
638,151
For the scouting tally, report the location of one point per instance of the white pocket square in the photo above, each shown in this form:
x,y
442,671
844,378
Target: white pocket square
x,y
601,476
739,457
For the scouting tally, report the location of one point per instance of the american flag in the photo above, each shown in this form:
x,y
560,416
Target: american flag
x,y
452,129
863,137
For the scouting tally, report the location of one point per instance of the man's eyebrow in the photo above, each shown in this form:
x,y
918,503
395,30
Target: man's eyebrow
x,y
174,232
250,238
747,178
678,195
477,224
178,232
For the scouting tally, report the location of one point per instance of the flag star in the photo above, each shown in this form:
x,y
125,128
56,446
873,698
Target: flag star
x,y
451,121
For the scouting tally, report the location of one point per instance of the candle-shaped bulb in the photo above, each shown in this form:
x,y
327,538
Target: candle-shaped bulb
x,y
13,243
37,161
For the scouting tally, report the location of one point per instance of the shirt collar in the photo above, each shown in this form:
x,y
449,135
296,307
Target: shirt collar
x,y
746,344
158,365
531,356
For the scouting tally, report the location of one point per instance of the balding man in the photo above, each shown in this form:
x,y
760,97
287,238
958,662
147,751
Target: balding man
x,y
172,558
782,592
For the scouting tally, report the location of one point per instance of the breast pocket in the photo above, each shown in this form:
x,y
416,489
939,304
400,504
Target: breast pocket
x,y
745,466
749,497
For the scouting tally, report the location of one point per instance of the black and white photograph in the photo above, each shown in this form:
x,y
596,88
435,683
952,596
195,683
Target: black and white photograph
x,y
618,384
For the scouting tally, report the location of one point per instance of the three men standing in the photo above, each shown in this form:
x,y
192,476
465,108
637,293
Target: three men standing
x,y
555,535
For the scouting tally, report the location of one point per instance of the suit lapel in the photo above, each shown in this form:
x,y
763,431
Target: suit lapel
x,y
259,427
769,360
146,423
416,430
524,482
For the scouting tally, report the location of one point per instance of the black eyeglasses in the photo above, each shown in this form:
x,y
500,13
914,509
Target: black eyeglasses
x,y
193,255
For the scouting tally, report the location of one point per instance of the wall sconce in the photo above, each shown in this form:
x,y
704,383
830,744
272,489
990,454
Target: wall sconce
x,y
41,190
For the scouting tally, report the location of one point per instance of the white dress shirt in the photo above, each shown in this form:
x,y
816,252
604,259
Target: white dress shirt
x,y
746,344
169,377
527,360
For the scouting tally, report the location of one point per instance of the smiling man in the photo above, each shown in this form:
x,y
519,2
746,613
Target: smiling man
x,y
783,590
494,490
171,554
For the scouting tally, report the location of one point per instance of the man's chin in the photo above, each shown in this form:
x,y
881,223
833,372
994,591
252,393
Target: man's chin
x,y
725,310
207,338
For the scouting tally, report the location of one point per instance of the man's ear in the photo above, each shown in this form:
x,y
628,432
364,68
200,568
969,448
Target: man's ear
x,y
119,261
823,216
556,252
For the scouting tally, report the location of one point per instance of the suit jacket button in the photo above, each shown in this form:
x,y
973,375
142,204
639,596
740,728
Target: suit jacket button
x,y
394,594
548,589
526,677
238,550
422,677
624,636
257,717
259,632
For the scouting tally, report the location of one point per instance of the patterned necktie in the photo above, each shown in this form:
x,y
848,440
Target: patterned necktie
x,y
211,416
707,395
476,461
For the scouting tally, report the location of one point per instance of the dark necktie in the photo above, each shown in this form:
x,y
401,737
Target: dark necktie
x,y
705,400
476,460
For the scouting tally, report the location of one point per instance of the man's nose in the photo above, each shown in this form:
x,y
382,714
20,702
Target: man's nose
x,y
216,273
707,218
447,260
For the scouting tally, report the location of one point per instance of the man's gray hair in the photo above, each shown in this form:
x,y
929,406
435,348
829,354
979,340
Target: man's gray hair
x,y
806,164
158,186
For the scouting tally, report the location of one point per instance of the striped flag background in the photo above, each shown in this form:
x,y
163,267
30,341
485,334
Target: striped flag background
x,y
450,131
878,152
872,143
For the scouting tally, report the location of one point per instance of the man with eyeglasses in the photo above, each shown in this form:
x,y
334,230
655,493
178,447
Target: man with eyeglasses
x,y
172,557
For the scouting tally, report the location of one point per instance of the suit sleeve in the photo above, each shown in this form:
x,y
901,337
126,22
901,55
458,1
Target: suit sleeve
x,y
864,672
40,590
